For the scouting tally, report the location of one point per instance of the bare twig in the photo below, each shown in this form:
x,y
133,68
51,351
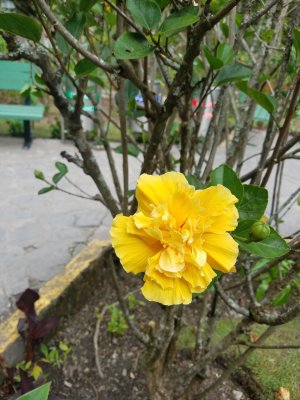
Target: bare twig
x,y
137,333
230,302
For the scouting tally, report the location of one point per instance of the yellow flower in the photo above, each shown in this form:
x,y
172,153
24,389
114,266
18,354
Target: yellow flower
x,y
177,237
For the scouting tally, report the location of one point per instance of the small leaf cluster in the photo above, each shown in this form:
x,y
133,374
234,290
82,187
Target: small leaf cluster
x,y
57,177
117,323
149,16
278,272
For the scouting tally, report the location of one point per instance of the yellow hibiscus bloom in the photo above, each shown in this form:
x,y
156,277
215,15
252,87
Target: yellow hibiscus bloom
x,y
177,237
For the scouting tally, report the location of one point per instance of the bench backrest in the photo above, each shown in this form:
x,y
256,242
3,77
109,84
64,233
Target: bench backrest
x,y
15,75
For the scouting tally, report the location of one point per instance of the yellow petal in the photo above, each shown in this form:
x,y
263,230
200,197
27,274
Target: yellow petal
x,y
184,205
162,278
131,245
180,293
157,189
171,261
220,211
198,278
222,251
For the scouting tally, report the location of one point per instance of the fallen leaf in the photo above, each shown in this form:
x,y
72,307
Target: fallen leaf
x,y
283,394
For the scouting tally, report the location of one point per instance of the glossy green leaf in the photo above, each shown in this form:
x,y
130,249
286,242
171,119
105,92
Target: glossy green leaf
x,y
179,20
46,189
232,73
261,290
283,296
271,247
145,12
63,170
21,25
225,176
40,393
263,99
193,180
86,5
61,167
243,229
75,26
84,67
254,202
214,61
132,45
162,3
225,53
131,148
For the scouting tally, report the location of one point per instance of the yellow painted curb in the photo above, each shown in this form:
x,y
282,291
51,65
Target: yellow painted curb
x,y
11,345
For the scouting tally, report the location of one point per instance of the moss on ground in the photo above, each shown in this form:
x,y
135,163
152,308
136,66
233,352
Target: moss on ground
x,y
272,368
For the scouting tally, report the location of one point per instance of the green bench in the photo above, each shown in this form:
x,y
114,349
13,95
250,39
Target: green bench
x,y
15,75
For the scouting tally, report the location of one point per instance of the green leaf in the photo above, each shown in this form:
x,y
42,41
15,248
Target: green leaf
x,y
75,26
261,290
243,229
86,5
46,189
179,20
131,91
232,73
225,176
63,170
57,177
162,3
40,393
84,67
145,12
131,148
254,202
214,61
193,180
259,265
283,297
225,53
21,25
271,247
263,99
39,175
132,45
297,40
61,167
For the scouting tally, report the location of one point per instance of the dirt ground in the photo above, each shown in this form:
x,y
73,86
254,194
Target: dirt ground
x,y
75,375
123,378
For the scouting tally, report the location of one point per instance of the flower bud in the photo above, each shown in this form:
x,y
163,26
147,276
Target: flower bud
x,y
259,231
39,175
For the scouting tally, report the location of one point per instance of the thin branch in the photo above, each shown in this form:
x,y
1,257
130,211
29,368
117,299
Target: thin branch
x,y
268,347
73,159
231,303
235,364
284,130
282,151
137,333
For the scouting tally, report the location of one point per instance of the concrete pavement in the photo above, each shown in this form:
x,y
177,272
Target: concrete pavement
x,y
40,234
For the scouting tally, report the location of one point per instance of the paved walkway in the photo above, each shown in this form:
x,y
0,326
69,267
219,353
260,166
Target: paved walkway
x,y
39,234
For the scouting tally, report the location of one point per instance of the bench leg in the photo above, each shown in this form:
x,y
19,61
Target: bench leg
x,y
27,135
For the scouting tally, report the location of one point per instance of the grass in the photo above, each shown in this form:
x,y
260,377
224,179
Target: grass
x,y
272,368
38,129
42,129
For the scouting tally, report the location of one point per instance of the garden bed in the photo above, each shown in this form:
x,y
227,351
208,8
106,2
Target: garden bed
x,y
98,331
